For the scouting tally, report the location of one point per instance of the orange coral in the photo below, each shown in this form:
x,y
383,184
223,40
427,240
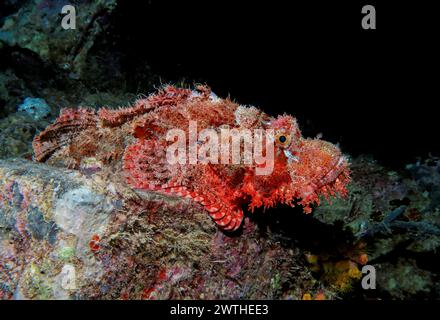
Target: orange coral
x,y
94,243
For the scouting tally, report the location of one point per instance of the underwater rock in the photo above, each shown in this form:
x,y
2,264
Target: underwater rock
x,y
84,66
403,279
16,133
11,90
68,235
37,108
395,214
36,26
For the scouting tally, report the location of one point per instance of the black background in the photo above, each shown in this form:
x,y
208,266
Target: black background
x,y
373,91
278,309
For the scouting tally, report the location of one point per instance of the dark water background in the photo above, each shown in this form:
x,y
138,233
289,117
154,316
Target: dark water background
x,y
375,92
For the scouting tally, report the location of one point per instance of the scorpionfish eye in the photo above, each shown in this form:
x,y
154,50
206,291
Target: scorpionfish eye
x,y
283,140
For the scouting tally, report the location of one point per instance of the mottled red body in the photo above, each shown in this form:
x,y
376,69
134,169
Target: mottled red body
x,y
133,141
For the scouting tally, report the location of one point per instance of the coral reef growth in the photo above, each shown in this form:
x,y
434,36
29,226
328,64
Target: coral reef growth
x,y
396,215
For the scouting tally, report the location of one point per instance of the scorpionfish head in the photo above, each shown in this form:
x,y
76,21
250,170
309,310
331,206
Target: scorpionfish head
x,y
319,169
303,170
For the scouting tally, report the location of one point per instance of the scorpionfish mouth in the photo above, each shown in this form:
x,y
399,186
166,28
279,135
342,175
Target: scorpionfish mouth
x,y
321,169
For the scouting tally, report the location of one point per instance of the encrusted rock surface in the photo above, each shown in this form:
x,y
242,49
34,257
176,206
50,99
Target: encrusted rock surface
x,y
123,245
36,26
396,215
66,235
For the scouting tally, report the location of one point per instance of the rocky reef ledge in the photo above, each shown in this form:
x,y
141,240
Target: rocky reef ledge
x,y
83,234
69,235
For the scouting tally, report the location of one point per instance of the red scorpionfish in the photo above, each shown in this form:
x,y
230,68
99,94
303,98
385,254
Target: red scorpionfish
x,y
134,142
